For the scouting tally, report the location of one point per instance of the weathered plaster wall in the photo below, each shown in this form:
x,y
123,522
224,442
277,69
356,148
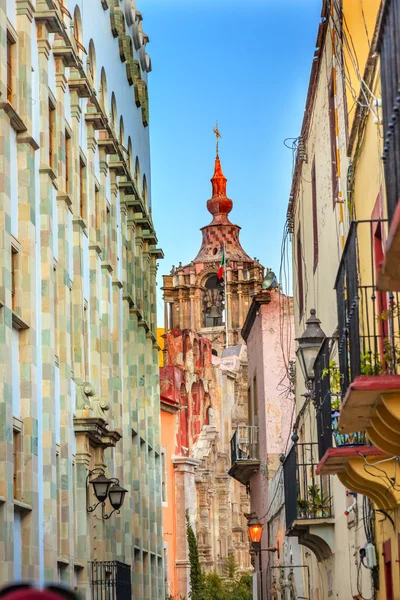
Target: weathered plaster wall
x,y
318,288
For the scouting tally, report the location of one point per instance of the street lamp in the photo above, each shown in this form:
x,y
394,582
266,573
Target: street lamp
x,y
104,488
255,529
101,485
309,344
116,496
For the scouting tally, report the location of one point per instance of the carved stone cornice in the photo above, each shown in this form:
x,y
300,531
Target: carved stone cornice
x,y
90,417
97,432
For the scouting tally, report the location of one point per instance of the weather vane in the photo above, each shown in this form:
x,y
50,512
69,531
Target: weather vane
x,y
217,134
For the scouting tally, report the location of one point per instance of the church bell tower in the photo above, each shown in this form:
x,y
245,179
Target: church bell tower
x,y
194,296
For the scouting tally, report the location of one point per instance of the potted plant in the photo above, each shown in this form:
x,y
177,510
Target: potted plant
x,y
318,501
303,507
344,439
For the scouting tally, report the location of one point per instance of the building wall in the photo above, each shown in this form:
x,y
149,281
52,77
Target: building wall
x,y
368,202
78,252
202,390
332,222
168,426
270,345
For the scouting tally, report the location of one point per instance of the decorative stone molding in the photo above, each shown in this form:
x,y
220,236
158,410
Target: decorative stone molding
x,y
90,418
88,400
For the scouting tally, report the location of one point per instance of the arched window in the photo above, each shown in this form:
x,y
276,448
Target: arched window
x,y
196,353
103,91
91,63
184,420
130,157
121,131
213,302
137,173
113,113
144,190
78,34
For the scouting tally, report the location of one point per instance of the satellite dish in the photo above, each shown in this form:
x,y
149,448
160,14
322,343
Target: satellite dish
x,y
270,281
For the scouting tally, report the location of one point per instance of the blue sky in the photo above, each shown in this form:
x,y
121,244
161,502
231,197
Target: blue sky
x,y
246,64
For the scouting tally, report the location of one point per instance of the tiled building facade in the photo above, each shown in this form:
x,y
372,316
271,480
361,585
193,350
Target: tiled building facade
x,y
78,351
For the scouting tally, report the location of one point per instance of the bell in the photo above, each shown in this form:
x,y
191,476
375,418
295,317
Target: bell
x,y
214,313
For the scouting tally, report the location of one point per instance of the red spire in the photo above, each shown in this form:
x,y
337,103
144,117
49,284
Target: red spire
x,y
218,180
219,205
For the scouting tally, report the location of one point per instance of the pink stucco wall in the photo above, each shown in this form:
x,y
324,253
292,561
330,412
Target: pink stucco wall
x,y
270,346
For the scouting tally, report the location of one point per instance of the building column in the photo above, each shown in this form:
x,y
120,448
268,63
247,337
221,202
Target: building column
x,y
185,500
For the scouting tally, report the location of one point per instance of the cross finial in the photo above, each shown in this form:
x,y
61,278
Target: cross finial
x,y
217,134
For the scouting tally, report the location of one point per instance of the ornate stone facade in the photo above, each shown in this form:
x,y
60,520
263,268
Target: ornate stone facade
x,y
79,384
207,382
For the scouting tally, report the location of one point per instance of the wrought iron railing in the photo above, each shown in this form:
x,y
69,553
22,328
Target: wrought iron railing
x,y
244,444
110,580
369,320
324,371
327,401
388,47
307,495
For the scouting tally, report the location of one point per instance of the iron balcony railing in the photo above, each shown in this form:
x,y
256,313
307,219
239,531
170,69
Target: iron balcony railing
x,y
328,400
369,320
388,48
323,397
244,444
110,580
307,495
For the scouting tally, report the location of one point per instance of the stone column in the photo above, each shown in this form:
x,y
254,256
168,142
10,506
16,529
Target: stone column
x,y
185,500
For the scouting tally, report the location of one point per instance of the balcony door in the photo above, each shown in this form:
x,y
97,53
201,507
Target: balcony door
x,y
387,569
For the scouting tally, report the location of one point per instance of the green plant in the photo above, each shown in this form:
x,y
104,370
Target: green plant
x,y
196,572
370,363
334,376
303,506
319,502
230,567
235,588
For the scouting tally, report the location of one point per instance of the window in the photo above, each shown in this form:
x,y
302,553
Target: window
x,y
255,402
10,52
14,261
82,180
67,160
333,129
52,115
314,214
213,302
55,292
58,496
164,476
387,567
97,212
86,342
299,256
71,331
108,234
17,464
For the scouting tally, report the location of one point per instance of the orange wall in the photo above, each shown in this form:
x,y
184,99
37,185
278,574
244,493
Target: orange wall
x,y
168,423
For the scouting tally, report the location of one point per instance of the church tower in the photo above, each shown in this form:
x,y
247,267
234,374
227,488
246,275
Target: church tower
x,y
204,385
194,297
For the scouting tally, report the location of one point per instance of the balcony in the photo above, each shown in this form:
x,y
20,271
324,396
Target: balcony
x,y
110,580
245,459
328,401
389,276
369,342
308,500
